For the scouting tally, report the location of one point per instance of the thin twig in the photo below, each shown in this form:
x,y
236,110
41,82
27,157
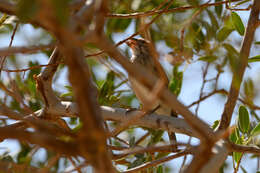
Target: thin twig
x,y
10,44
221,91
204,75
125,124
135,34
159,161
142,138
75,165
152,149
29,68
178,9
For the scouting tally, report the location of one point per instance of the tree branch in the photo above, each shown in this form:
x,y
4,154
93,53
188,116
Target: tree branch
x,y
199,127
159,161
24,49
41,139
7,7
177,9
243,61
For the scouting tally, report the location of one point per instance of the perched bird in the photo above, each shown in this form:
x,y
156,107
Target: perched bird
x,y
141,54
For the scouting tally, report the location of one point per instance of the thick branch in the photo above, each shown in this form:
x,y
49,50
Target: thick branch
x,y
154,121
23,49
7,7
220,152
92,135
244,149
44,80
41,139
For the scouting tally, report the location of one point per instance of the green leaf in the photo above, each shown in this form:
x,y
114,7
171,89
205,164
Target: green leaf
x,y
223,33
241,2
214,22
69,88
176,81
193,2
233,137
132,141
15,105
156,136
35,105
6,158
61,9
22,156
68,94
257,42
237,134
161,154
239,140
139,160
249,90
33,72
3,18
255,115
77,127
159,169
233,57
210,32
237,156
27,9
256,130
230,49
243,169
196,37
73,121
117,25
218,9
254,59
243,119
208,58
215,124
237,23
107,89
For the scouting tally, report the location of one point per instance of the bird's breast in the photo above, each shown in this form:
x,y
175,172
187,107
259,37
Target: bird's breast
x,y
144,95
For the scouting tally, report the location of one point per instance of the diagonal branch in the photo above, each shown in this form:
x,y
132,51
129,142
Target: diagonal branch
x,y
243,61
160,161
199,127
44,80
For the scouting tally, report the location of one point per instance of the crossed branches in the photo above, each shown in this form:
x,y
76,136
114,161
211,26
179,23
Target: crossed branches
x,y
90,141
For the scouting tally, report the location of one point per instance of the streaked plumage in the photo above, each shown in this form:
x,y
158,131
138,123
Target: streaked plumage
x,y
141,55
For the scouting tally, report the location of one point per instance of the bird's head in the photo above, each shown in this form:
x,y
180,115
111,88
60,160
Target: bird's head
x,y
138,46
142,54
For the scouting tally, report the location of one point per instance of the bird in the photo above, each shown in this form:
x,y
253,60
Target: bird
x,y
141,54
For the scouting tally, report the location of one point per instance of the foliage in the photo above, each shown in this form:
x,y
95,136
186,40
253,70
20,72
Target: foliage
x,y
206,36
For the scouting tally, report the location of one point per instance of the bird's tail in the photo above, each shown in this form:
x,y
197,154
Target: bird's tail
x,y
172,136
